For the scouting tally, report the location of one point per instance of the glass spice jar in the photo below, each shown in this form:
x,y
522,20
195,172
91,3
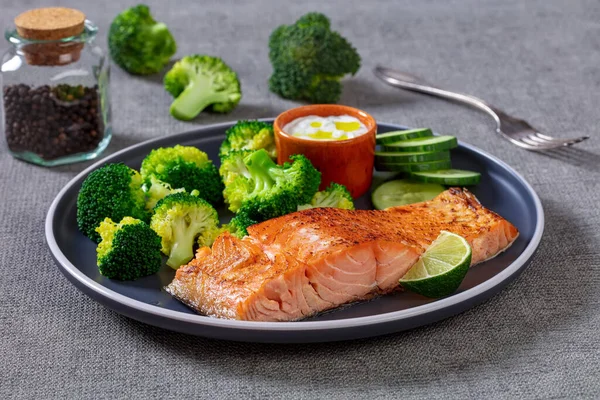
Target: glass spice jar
x,y
55,105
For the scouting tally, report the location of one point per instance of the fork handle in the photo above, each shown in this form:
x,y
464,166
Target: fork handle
x,y
415,84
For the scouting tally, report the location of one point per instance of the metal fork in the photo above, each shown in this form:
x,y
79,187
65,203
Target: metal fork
x,y
515,130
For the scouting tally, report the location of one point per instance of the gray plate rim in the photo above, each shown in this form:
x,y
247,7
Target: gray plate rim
x,y
498,279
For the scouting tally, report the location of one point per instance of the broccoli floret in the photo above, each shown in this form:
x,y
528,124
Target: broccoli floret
x,y
273,190
198,82
249,135
232,166
237,191
238,226
309,60
335,195
180,220
138,43
156,190
112,191
313,19
128,250
185,167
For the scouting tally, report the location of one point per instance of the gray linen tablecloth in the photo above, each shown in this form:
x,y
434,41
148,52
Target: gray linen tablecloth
x,y
537,339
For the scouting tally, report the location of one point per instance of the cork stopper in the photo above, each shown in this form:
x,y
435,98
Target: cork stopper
x,y
53,23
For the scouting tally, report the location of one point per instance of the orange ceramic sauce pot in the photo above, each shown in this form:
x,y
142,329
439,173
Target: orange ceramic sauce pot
x,y
348,162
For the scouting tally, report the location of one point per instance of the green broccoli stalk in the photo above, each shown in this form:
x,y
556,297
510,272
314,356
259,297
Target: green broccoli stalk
x,y
335,195
112,191
309,60
198,82
180,220
249,135
138,43
128,250
273,190
184,167
156,190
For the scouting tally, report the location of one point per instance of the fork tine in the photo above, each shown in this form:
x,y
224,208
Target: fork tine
x,y
551,138
539,144
544,136
569,140
535,138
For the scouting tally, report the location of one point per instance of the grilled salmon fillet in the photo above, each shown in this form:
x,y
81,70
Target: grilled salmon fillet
x,y
303,263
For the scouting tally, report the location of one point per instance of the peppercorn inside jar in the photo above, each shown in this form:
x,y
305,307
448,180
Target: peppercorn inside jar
x,y
55,99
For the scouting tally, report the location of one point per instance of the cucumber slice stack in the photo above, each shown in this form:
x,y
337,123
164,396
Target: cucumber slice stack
x,y
424,157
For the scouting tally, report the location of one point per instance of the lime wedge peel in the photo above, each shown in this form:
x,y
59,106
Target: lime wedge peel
x,y
441,268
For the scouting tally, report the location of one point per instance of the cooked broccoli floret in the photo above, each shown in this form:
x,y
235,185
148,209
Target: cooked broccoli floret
x,y
273,190
198,82
138,43
309,60
113,191
180,220
238,226
249,135
237,191
128,250
232,166
185,167
335,195
156,190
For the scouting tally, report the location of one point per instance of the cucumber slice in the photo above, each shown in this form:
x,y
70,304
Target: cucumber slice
x,y
386,157
434,143
448,177
403,191
397,136
414,167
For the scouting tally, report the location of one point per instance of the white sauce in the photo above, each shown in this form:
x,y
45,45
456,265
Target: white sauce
x,y
313,127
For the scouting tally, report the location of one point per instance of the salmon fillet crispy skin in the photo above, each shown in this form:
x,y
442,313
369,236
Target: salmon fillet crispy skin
x,y
303,263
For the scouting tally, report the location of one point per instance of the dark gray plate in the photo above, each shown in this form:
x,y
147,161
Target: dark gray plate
x,y
502,190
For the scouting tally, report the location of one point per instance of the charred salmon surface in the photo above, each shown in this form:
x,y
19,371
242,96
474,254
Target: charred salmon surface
x,y
298,265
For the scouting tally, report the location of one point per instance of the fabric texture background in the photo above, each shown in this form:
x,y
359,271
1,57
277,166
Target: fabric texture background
x,y
537,339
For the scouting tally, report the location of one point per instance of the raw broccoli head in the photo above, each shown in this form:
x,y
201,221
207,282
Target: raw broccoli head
x,y
185,167
309,60
128,250
201,82
273,190
155,190
249,135
313,19
180,220
113,191
138,43
335,195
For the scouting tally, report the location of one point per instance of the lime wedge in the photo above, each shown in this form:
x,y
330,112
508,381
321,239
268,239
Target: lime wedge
x,y
441,269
